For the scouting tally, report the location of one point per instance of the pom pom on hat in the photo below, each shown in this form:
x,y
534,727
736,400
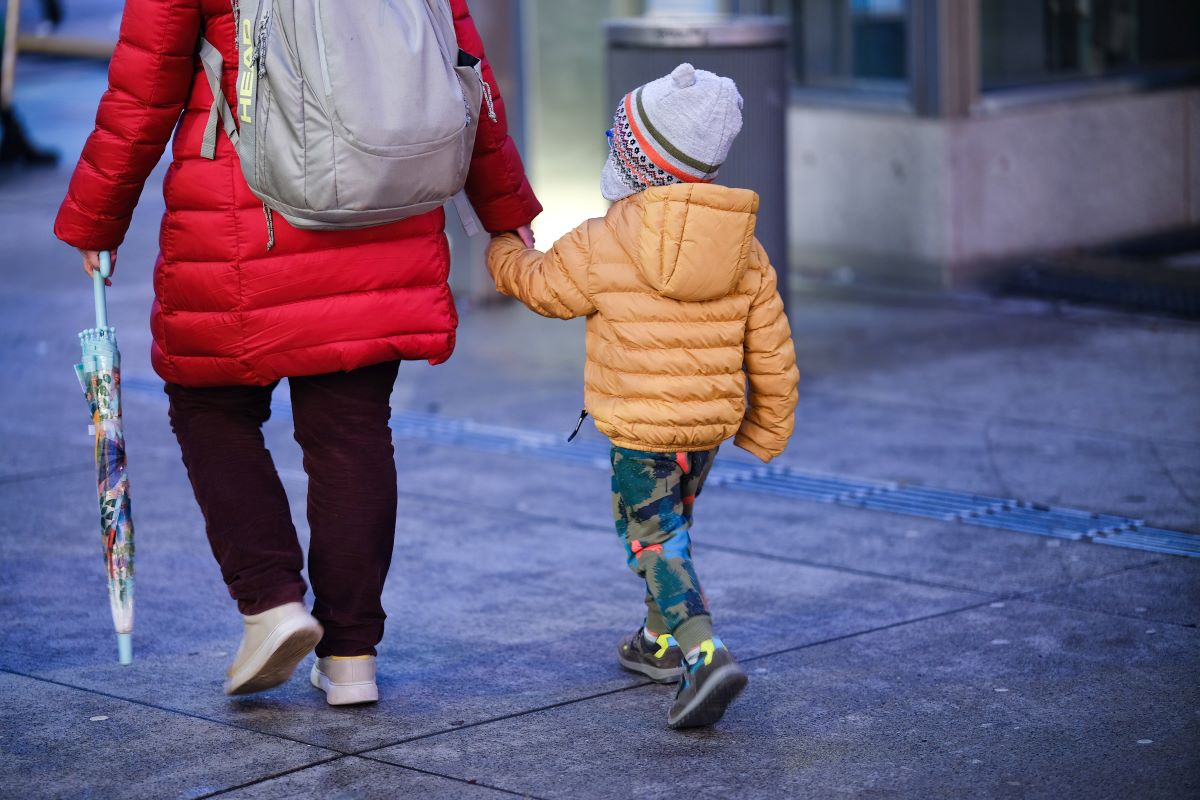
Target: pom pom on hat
x,y
684,75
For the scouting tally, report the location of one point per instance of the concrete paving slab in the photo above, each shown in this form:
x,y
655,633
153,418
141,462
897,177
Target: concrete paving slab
x,y
877,440
907,548
1046,463
991,421
1028,366
1181,465
56,607
45,422
26,458
63,742
363,779
1016,701
468,591
1098,412
1167,591
55,580
948,553
1140,478
964,363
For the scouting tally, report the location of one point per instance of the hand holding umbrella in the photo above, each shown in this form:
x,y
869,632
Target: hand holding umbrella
x,y
99,374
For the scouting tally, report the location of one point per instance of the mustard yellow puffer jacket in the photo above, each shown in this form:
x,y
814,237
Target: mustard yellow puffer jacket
x,y
681,310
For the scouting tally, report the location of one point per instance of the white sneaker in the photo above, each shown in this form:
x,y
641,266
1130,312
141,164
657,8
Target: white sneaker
x,y
273,643
346,680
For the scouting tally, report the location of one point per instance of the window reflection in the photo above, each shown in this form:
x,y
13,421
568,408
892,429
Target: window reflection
x,y
852,42
1034,41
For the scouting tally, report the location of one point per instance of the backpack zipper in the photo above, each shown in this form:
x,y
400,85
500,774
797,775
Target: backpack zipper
x,y
260,61
270,226
260,42
237,27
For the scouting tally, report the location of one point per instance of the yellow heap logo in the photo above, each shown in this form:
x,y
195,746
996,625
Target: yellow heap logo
x,y
246,79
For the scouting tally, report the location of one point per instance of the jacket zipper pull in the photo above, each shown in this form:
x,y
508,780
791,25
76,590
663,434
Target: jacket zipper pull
x,y
270,226
578,425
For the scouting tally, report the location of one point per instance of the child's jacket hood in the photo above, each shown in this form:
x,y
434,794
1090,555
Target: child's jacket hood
x,y
691,241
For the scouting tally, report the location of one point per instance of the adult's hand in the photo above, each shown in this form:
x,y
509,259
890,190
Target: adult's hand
x,y
526,234
91,261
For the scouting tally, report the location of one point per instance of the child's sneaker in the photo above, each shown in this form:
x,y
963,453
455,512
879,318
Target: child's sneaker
x,y
661,661
709,685
274,642
346,680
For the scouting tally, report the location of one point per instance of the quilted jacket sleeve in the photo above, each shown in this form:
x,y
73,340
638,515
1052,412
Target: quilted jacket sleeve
x,y
496,184
148,83
770,361
554,284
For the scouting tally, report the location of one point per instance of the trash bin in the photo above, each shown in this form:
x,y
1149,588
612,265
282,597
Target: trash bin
x,y
752,50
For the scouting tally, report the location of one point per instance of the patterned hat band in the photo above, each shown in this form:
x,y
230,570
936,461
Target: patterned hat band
x,y
644,157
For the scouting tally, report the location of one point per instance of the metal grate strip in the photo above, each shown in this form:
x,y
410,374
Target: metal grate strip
x,y
784,481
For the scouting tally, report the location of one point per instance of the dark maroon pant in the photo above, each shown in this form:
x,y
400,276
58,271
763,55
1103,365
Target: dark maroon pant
x,y
341,423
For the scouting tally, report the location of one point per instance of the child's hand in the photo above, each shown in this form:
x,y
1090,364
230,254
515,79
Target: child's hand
x,y
524,233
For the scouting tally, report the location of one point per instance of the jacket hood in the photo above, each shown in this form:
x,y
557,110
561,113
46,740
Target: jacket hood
x,y
691,241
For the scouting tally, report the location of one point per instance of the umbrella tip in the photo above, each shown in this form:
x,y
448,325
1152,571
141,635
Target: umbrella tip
x,y
125,648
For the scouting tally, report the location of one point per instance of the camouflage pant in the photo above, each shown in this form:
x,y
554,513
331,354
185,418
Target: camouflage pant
x,y
653,495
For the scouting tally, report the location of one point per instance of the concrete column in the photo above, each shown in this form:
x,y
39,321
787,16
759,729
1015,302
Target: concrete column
x,y
944,56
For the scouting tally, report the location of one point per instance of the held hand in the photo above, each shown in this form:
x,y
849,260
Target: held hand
x,y
526,234
91,261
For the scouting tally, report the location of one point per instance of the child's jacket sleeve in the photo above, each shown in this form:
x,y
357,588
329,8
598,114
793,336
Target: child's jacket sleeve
x,y
554,284
770,361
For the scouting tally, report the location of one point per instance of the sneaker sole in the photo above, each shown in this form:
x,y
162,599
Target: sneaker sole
x,y
709,704
656,674
277,658
343,694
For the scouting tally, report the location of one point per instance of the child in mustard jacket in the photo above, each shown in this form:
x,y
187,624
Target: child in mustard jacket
x,y
682,311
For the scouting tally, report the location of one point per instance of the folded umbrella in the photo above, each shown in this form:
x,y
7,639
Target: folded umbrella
x,y
100,376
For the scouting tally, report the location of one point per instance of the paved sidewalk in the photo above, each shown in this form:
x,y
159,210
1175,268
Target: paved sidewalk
x,y
890,655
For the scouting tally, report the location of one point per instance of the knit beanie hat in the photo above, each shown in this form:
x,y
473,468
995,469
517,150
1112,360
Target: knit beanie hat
x,y
675,129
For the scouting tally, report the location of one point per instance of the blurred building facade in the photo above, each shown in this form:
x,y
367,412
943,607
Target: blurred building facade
x,y
930,142
934,141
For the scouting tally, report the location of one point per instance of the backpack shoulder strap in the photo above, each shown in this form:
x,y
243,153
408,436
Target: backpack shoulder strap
x,y
442,17
211,59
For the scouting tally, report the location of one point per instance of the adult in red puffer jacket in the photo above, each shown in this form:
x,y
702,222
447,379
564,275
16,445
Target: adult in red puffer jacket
x,y
333,311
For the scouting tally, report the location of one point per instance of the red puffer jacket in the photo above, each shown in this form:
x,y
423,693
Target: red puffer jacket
x,y
227,310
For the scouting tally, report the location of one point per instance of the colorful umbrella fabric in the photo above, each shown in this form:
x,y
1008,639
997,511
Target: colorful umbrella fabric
x,y
99,374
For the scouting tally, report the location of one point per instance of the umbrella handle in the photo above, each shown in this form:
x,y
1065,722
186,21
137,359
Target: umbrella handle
x,y
98,276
